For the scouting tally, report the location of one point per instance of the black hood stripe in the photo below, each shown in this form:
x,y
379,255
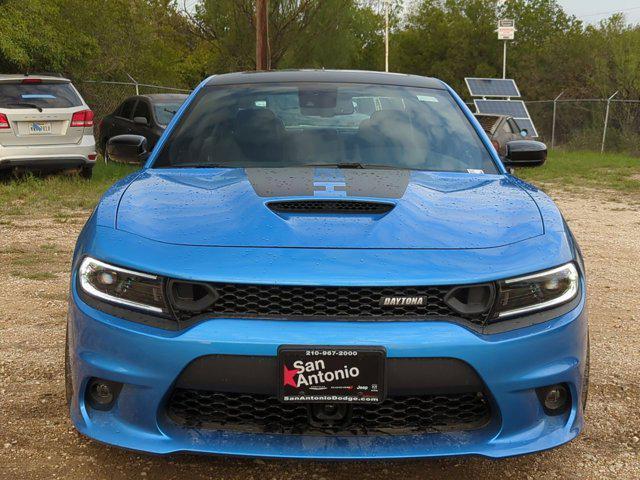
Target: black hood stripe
x,y
328,182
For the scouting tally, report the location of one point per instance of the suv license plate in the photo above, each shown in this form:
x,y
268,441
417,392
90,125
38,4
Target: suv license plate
x,y
317,374
37,128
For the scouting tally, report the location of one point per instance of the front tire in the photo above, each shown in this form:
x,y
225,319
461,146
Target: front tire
x,y
105,155
86,172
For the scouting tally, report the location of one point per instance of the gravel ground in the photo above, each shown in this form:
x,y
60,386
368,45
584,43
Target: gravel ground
x,y
37,440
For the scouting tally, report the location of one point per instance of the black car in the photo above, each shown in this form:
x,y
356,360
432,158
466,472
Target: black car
x,y
145,115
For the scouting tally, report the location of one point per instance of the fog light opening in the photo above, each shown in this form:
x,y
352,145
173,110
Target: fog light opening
x,y
555,399
102,394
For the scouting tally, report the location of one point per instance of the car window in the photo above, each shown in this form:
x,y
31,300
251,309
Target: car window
x,y
285,125
43,95
142,110
165,111
126,109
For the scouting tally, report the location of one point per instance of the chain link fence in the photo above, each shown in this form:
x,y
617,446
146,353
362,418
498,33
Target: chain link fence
x,y
583,124
103,97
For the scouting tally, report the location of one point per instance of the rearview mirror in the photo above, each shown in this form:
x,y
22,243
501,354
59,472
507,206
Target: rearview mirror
x,y
141,120
525,153
127,149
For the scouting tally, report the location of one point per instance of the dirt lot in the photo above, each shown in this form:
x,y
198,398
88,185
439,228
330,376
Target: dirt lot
x,y
37,440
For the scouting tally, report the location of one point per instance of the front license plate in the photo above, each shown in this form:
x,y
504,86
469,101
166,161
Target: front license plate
x,y
331,374
39,128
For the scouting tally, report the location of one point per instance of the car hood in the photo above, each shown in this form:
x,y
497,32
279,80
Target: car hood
x,y
230,207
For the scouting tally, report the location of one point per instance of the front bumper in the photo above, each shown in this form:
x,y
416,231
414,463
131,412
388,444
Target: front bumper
x,y
49,157
148,361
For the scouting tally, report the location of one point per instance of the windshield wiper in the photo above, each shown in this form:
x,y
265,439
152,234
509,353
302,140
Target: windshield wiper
x,y
354,165
24,104
172,112
318,165
199,165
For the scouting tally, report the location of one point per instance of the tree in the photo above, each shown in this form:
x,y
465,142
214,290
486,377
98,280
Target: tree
x,y
546,57
50,50
302,33
146,38
450,39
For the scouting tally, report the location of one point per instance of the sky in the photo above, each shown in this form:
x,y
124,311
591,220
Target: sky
x,y
592,11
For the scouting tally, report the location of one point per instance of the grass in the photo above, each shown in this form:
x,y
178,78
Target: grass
x,y
60,195
57,194
39,276
37,263
587,169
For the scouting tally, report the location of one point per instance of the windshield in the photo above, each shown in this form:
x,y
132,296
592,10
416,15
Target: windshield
x,y
38,95
353,125
165,111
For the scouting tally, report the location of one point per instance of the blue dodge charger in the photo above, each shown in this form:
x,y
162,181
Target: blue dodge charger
x,y
327,264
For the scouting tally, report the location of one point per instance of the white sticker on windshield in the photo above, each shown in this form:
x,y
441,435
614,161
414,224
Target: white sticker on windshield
x,y
475,170
426,98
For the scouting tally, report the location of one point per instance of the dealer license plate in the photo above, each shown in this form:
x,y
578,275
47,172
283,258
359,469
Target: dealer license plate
x,y
316,374
39,128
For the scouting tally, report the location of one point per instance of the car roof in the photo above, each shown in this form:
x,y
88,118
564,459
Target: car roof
x,y
329,76
13,77
165,97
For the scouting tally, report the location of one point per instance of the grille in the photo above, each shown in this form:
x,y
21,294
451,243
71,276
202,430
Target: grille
x,y
331,206
342,303
265,414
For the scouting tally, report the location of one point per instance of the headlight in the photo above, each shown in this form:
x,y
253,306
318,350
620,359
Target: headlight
x,y
538,291
121,286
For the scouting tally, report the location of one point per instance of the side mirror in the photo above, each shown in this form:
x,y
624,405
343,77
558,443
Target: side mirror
x,y
140,120
525,153
128,149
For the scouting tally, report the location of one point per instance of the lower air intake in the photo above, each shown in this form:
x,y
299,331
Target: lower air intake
x,y
401,415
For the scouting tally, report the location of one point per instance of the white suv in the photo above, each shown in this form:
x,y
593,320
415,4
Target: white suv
x,y
44,125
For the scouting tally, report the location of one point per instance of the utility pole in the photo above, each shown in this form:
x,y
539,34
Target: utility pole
x,y
263,55
386,35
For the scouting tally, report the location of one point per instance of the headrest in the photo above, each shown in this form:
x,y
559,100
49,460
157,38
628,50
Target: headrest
x,y
254,124
384,116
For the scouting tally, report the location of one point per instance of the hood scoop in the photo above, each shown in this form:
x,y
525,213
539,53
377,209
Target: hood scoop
x,y
350,207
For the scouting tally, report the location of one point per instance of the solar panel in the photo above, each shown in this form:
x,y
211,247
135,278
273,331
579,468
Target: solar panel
x,y
492,87
512,108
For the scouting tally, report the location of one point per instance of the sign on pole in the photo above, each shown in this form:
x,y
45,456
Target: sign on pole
x,y
506,32
506,29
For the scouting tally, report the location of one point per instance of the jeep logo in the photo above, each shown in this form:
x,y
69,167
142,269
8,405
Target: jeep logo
x,y
402,301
